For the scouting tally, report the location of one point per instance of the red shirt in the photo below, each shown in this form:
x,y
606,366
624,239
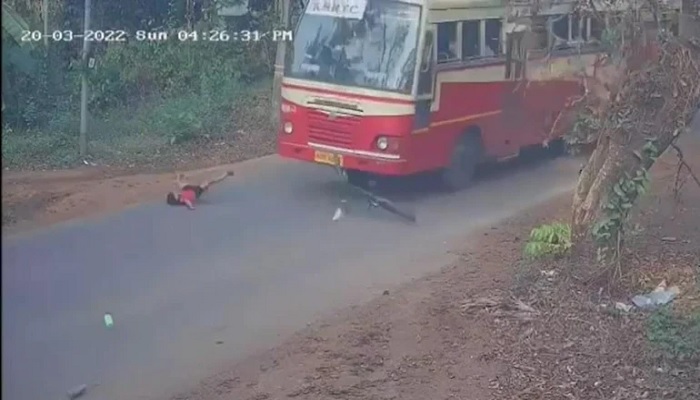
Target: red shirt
x,y
188,195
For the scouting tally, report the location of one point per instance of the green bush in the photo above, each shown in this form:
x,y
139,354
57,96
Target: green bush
x,y
134,71
37,149
145,128
142,94
549,240
676,336
127,73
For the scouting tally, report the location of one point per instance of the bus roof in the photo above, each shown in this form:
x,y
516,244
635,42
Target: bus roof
x,y
454,10
457,4
451,4
492,7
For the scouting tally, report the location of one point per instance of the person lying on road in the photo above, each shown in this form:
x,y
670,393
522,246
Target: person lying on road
x,y
189,193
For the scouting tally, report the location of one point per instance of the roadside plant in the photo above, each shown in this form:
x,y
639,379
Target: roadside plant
x,y
548,240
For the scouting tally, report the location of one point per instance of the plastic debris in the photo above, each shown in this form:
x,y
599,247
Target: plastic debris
x,y
658,297
623,307
340,211
338,214
109,321
549,274
77,392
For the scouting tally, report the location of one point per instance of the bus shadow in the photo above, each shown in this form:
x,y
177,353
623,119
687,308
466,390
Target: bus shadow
x,y
420,186
408,193
406,190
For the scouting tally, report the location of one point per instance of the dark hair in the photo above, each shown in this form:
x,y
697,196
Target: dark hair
x,y
172,199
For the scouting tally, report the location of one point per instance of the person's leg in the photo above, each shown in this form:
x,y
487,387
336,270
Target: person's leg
x,y
207,184
188,204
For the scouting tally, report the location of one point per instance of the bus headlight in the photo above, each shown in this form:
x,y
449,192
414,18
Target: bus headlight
x,y
382,143
288,128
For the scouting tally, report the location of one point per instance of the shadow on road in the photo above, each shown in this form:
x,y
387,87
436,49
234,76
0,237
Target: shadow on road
x,y
406,192
417,187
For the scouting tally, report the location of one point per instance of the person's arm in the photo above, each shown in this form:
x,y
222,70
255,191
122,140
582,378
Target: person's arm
x,y
180,181
188,204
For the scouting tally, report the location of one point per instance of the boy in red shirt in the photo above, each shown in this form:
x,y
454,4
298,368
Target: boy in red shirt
x,y
189,193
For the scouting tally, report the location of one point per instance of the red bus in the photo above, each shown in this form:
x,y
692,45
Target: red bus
x,y
394,88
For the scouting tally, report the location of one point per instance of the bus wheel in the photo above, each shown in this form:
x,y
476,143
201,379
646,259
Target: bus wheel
x,y
463,162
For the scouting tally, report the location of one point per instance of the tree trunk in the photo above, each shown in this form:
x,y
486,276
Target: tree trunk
x,y
612,159
590,190
55,74
655,102
279,67
5,87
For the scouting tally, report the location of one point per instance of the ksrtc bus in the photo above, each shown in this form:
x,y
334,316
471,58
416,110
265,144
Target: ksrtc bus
x,y
396,88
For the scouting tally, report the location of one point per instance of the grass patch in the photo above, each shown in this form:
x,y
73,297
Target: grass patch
x,y
678,337
138,133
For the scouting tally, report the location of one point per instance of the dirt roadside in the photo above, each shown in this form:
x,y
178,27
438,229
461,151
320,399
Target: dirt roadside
x,y
35,199
494,326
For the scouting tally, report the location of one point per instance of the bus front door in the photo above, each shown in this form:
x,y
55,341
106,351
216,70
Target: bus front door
x,y
426,81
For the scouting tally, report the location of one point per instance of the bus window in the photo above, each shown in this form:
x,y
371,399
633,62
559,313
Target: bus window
x,y
560,29
670,23
568,29
597,26
515,54
447,42
492,32
375,51
472,44
540,32
471,39
576,27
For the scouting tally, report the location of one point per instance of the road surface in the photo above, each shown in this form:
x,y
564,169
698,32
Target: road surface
x,y
192,291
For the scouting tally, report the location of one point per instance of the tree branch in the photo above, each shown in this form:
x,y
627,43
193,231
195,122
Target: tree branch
x,y
683,163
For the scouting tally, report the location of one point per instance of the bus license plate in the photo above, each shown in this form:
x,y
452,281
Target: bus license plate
x,y
328,158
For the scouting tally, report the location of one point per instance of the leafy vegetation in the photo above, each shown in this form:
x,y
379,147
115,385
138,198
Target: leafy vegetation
x,y
549,240
138,133
583,131
676,336
143,94
608,231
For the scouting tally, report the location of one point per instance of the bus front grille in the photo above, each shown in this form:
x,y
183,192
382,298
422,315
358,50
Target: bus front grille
x,y
333,130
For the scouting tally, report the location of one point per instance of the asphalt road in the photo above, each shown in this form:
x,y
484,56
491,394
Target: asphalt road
x,y
257,262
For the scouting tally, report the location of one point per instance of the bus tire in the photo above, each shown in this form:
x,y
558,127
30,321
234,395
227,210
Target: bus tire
x,y
465,157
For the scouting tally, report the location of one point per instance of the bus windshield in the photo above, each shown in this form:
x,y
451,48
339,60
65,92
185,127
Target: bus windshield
x,y
374,46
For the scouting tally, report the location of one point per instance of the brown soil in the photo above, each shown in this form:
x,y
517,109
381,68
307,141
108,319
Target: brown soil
x,y
494,326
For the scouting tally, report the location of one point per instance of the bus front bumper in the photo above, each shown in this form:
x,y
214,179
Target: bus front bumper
x,y
360,160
